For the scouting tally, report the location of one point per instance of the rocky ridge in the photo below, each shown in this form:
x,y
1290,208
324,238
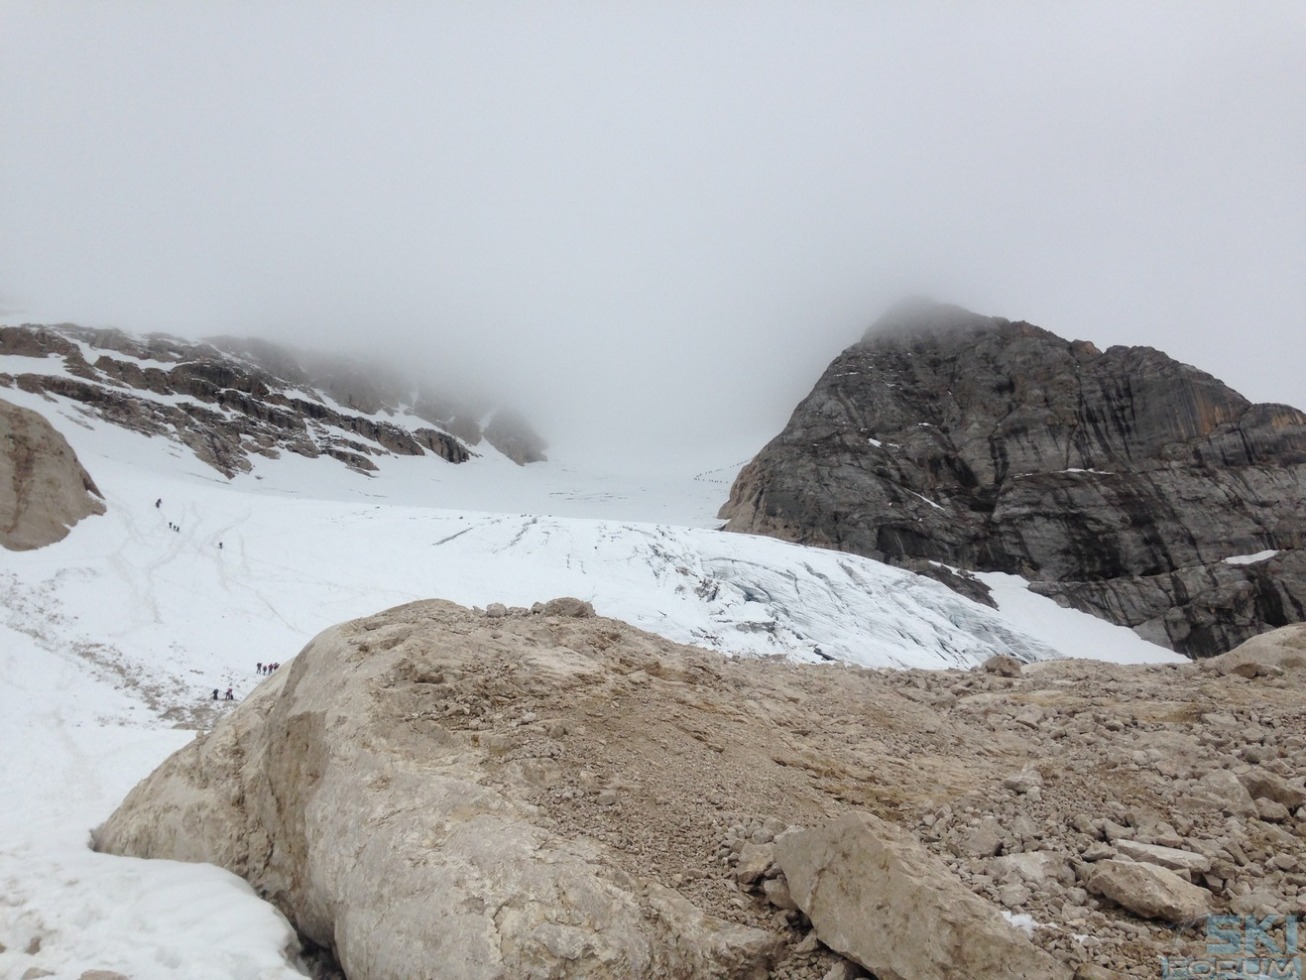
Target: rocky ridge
x,y
230,399
662,806
1122,482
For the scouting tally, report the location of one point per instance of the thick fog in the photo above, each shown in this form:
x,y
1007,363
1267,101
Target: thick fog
x,y
652,225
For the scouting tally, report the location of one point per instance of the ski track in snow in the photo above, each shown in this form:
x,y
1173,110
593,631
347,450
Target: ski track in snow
x,y
123,629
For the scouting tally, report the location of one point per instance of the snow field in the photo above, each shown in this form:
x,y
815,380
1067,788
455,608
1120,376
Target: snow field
x,y
121,631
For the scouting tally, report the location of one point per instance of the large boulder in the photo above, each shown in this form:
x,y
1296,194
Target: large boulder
x,y
44,490
876,896
383,789
1121,482
1266,655
1150,891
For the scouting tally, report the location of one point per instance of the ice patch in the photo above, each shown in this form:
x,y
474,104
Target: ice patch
x,y
926,499
1022,921
1250,559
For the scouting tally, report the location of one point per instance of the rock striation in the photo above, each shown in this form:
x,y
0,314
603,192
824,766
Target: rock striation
x,y
44,490
1121,482
436,791
229,400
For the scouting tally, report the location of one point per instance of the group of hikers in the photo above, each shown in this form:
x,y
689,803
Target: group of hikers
x,y
262,668
171,526
175,527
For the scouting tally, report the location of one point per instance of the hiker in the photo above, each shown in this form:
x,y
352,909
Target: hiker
x,y
230,696
215,694
259,666
158,503
219,545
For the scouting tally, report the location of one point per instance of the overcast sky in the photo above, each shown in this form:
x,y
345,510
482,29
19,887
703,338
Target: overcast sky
x,y
656,223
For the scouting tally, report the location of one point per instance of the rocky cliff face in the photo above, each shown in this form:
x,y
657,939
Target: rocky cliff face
x,y
1128,484
43,488
229,399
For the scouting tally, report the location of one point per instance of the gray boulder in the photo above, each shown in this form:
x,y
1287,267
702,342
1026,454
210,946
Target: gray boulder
x,y
1172,858
1278,650
569,607
876,896
1149,891
1220,789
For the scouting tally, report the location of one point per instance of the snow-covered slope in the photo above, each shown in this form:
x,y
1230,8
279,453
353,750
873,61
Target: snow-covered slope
x,y
124,629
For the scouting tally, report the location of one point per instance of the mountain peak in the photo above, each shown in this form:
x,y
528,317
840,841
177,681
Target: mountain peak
x,y
924,316
1122,482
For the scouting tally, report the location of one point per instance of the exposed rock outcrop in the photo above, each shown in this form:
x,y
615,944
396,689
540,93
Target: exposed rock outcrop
x,y
1122,482
44,490
433,791
508,432
230,400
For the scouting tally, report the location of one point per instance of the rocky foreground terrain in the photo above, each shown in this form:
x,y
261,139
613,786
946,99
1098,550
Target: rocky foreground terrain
x,y
1121,482
440,791
229,400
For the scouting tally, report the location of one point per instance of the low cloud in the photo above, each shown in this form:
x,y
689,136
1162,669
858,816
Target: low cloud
x,y
652,228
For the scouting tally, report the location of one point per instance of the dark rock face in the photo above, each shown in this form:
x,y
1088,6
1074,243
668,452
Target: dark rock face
x,y
1117,481
246,397
509,433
